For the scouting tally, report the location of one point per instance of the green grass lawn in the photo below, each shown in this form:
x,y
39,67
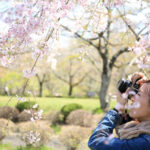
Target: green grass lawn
x,y
9,147
48,103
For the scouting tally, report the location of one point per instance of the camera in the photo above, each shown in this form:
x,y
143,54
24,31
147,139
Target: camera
x,y
124,84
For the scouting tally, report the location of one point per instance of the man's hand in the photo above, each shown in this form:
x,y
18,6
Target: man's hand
x,y
122,100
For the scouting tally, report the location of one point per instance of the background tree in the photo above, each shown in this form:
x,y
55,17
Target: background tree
x,y
75,72
102,37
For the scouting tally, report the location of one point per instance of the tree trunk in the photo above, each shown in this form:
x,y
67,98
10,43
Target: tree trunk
x,y
70,90
23,90
40,89
104,88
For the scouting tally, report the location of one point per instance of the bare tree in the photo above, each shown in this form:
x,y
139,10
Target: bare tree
x,y
41,82
72,77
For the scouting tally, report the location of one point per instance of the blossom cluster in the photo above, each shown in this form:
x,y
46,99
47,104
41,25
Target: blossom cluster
x,y
21,99
31,138
29,73
35,115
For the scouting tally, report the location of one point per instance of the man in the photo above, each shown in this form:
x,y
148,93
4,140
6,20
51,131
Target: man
x,y
132,135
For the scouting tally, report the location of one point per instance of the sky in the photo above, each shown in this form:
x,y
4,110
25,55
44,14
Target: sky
x,y
3,6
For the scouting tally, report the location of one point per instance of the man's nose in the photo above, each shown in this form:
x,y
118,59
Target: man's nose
x,y
131,94
133,97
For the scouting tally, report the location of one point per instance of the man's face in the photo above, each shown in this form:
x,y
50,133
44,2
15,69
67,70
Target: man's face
x,y
141,100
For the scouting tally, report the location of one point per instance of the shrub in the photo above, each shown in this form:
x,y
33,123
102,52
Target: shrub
x,y
66,109
98,111
96,119
25,105
80,117
24,116
83,145
71,136
9,113
6,127
55,117
37,127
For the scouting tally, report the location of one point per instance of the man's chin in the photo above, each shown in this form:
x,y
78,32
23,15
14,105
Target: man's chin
x,y
132,115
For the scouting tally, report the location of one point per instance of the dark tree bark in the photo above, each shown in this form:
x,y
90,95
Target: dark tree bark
x,y
70,90
40,89
41,83
103,89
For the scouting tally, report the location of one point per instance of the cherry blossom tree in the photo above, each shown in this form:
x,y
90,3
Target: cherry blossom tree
x,y
27,20
39,20
97,26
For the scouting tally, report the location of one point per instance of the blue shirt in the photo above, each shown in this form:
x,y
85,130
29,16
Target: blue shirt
x,y
100,140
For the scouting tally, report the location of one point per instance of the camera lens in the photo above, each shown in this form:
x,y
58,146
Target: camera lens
x,y
123,85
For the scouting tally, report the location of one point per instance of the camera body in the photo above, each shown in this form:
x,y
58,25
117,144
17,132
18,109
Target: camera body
x,y
124,84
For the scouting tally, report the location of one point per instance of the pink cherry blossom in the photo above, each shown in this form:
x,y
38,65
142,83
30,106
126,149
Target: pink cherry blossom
x,y
29,73
137,50
6,61
118,2
22,99
143,62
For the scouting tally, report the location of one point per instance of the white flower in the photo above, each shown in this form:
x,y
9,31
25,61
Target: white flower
x,y
32,119
27,111
35,106
31,137
36,115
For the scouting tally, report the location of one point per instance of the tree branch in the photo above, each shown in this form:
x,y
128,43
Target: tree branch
x,y
93,39
115,56
79,36
59,77
142,30
76,71
100,45
43,79
77,83
129,26
38,77
111,43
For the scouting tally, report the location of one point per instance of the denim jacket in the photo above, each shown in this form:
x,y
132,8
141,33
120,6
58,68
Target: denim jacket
x,y
100,139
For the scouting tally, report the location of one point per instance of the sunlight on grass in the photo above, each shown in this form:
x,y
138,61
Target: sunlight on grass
x,y
48,104
9,147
